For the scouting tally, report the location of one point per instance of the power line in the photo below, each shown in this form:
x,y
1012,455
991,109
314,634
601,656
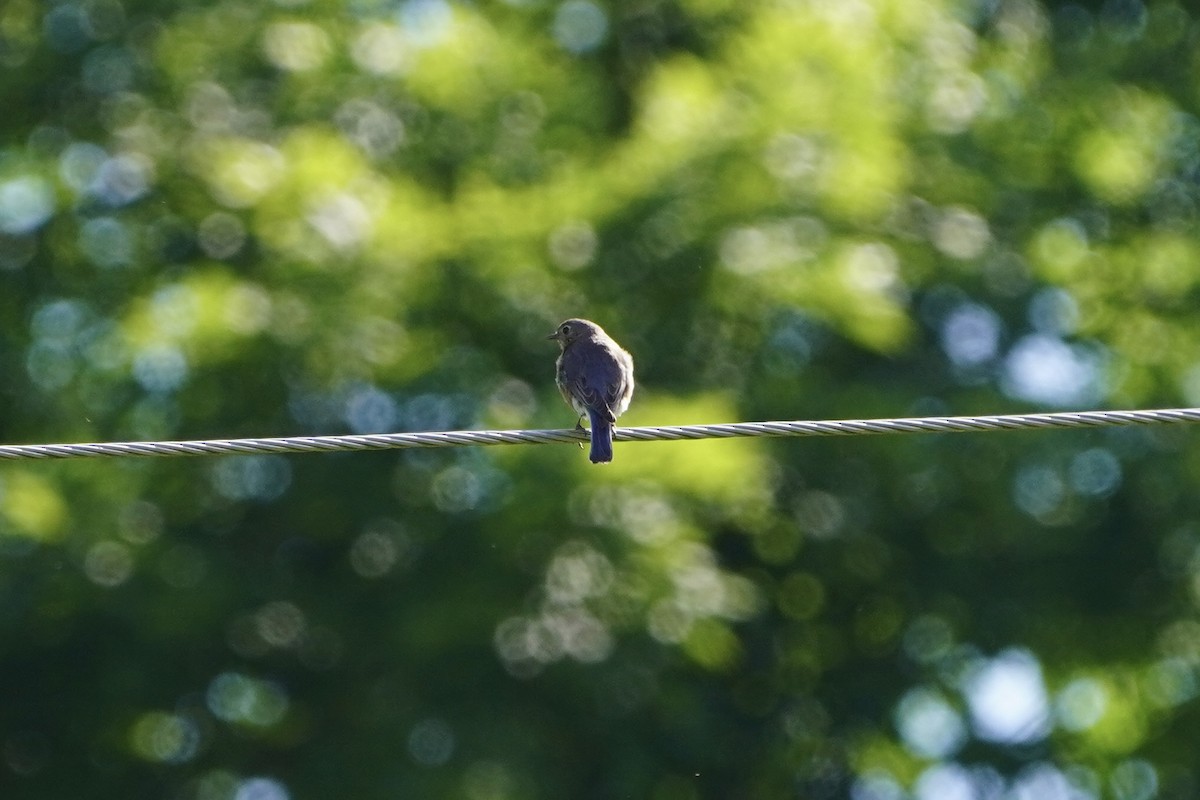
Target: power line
x,y
401,441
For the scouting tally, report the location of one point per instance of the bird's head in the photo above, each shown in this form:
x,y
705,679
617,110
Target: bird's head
x,y
573,330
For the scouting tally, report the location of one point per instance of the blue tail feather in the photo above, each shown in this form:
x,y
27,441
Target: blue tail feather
x,y
602,431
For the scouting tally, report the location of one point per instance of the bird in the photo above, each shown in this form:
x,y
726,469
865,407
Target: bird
x,y
594,374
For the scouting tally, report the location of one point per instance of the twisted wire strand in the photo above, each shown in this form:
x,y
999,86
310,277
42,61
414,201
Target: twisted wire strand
x,y
400,441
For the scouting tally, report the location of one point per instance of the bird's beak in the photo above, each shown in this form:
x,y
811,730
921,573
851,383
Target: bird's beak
x,y
554,335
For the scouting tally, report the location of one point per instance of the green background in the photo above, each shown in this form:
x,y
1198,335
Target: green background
x,y
224,219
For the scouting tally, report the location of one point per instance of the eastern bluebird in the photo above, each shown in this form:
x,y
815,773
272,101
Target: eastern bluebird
x,y
595,377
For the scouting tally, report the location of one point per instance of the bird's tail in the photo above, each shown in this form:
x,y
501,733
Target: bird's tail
x,y
602,431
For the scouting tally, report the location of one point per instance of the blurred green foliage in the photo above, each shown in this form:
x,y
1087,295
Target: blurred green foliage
x,y
243,218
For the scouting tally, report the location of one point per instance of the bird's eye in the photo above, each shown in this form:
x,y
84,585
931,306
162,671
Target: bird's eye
x,y
566,329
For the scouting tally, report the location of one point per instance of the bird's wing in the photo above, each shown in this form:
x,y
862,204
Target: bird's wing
x,y
593,379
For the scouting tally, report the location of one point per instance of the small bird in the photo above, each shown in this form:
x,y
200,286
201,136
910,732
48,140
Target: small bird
x,y
595,376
